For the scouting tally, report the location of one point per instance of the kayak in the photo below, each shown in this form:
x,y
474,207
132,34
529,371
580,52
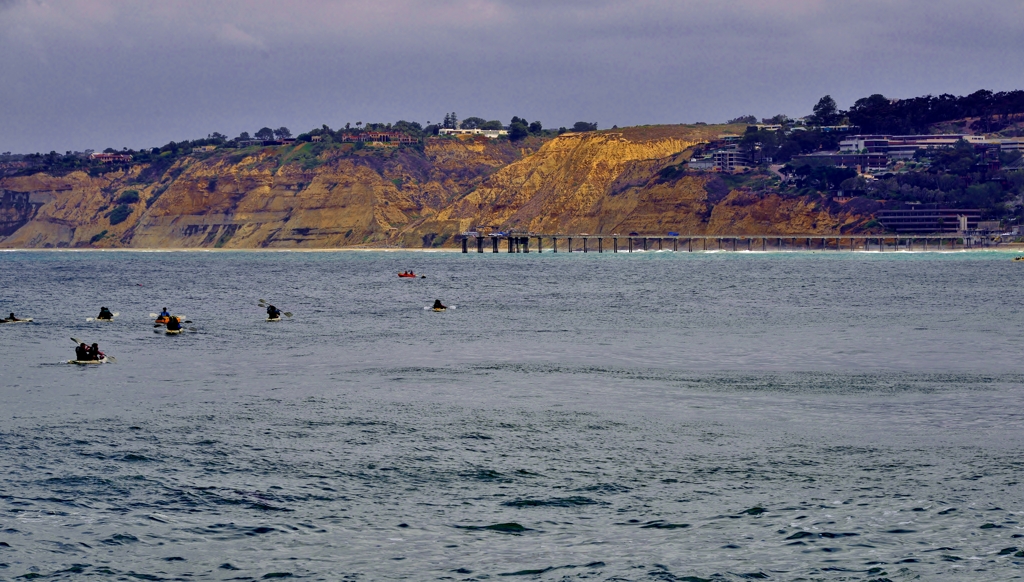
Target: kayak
x,y
102,360
407,275
24,320
439,308
174,331
166,319
273,319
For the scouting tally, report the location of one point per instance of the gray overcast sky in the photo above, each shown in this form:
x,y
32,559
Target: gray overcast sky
x,y
78,74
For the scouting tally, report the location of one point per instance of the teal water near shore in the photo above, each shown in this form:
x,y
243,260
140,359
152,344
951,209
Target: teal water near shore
x,y
645,416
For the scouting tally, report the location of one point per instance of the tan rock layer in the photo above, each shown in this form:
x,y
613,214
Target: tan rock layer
x,y
310,197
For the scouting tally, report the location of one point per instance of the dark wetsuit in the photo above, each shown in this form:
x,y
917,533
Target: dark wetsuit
x,y
173,324
438,304
273,312
82,353
105,314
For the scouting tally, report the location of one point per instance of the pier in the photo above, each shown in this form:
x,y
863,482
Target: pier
x,y
583,243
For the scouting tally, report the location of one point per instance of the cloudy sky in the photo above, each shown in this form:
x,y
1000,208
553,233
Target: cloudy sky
x,y
78,74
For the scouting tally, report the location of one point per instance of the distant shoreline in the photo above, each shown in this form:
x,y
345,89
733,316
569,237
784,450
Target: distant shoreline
x,y
1005,247
195,250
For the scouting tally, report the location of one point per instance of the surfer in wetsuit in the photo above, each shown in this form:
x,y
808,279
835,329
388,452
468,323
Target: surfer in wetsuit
x,y
82,352
439,305
12,318
105,314
173,324
273,312
95,353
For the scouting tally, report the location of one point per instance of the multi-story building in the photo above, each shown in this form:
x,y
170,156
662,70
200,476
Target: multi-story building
x,y
865,162
111,158
903,147
488,133
929,219
381,137
730,159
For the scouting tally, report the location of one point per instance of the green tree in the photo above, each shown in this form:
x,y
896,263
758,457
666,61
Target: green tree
x,y
282,133
265,133
518,129
826,112
748,119
584,126
473,122
536,128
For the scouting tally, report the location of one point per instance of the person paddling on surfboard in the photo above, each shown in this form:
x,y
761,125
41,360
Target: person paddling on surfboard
x,y
173,324
438,305
12,318
273,312
105,314
82,352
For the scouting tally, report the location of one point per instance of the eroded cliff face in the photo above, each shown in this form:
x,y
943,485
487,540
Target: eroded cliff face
x,y
611,182
315,196
302,197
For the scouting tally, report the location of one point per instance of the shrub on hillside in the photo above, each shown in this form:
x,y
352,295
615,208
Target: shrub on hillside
x,y
128,197
119,214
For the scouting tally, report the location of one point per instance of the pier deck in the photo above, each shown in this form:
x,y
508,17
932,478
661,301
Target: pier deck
x,y
521,242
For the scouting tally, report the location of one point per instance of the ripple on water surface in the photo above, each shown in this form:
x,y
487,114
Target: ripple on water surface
x,y
597,417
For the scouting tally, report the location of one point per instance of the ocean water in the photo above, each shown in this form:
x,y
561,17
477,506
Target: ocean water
x,y
644,416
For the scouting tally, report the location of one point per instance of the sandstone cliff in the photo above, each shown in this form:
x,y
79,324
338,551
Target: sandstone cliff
x,y
326,196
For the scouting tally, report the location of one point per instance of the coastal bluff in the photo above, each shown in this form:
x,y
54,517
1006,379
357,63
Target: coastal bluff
x,y
312,196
